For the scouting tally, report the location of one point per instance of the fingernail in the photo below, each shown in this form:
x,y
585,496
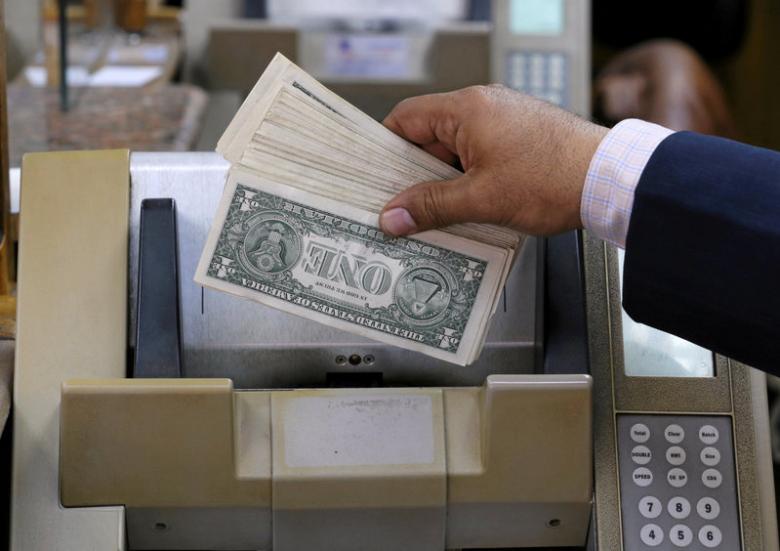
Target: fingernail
x,y
397,221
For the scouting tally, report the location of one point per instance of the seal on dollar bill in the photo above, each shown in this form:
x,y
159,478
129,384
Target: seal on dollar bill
x,y
272,244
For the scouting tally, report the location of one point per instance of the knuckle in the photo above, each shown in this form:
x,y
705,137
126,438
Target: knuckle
x,y
433,206
479,96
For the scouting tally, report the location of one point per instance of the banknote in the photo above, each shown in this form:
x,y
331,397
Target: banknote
x,y
297,225
323,263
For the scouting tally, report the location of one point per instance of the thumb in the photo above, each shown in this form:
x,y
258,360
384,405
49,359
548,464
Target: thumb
x,y
429,205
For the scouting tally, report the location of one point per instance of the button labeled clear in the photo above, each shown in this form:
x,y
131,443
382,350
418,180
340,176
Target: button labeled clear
x,y
680,535
641,455
677,477
708,508
710,456
710,536
640,433
642,477
709,435
711,478
651,535
674,434
650,507
679,507
675,455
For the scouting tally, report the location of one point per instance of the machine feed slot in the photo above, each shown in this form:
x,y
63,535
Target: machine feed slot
x,y
158,334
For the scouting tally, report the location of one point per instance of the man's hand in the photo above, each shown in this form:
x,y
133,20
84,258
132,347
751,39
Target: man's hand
x,y
525,162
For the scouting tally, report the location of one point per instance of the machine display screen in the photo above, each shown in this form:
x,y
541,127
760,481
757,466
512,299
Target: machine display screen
x,y
648,352
540,17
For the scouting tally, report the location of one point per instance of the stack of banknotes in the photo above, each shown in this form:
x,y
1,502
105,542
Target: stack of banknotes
x,y
297,227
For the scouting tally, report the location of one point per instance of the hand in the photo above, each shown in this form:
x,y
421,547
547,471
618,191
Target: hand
x,y
665,82
524,160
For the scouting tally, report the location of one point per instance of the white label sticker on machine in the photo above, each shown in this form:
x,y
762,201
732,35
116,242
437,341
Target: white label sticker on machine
x,y
349,431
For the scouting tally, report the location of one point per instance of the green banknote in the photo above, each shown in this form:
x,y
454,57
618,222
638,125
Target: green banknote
x,y
321,262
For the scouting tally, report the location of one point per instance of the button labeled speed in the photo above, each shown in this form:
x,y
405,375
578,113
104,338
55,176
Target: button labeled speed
x,y
642,477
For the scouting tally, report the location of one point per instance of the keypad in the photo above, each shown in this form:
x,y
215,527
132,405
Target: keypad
x,y
540,74
677,482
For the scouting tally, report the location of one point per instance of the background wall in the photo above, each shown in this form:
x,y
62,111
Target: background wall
x,y
752,77
23,28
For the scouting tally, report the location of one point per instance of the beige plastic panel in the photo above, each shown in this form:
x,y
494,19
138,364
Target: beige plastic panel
x,y
349,465
359,469
72,319
308,473
519,461
532,430
168,442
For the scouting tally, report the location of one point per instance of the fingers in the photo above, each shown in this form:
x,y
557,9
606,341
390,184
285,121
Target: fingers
x,y
441,152
430,205
430,121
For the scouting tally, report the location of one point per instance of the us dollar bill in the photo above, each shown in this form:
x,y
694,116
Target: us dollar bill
x,y
271,244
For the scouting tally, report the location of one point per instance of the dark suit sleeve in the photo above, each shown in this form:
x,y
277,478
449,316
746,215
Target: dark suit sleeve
x,y
703,247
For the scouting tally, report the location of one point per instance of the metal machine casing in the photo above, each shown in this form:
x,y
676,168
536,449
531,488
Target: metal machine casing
x,y
187,463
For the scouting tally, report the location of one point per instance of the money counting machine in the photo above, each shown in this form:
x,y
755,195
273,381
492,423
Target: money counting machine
x,y
153,414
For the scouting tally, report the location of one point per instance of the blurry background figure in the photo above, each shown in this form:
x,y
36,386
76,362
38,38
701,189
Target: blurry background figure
x,y
663,74
666,82
131,15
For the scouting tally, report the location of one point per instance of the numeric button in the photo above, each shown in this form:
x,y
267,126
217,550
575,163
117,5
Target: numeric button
x,y
710,456
676,477
708,508
642,476
680,535
650,507
674,434
679,508
640,433
675,455
651,535
711,478
709,435
710,536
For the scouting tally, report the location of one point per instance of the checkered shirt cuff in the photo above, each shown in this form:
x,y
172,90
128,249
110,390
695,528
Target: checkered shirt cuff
x,y
614,172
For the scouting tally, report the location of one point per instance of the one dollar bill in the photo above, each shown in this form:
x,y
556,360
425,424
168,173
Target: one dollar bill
x,y
330,263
